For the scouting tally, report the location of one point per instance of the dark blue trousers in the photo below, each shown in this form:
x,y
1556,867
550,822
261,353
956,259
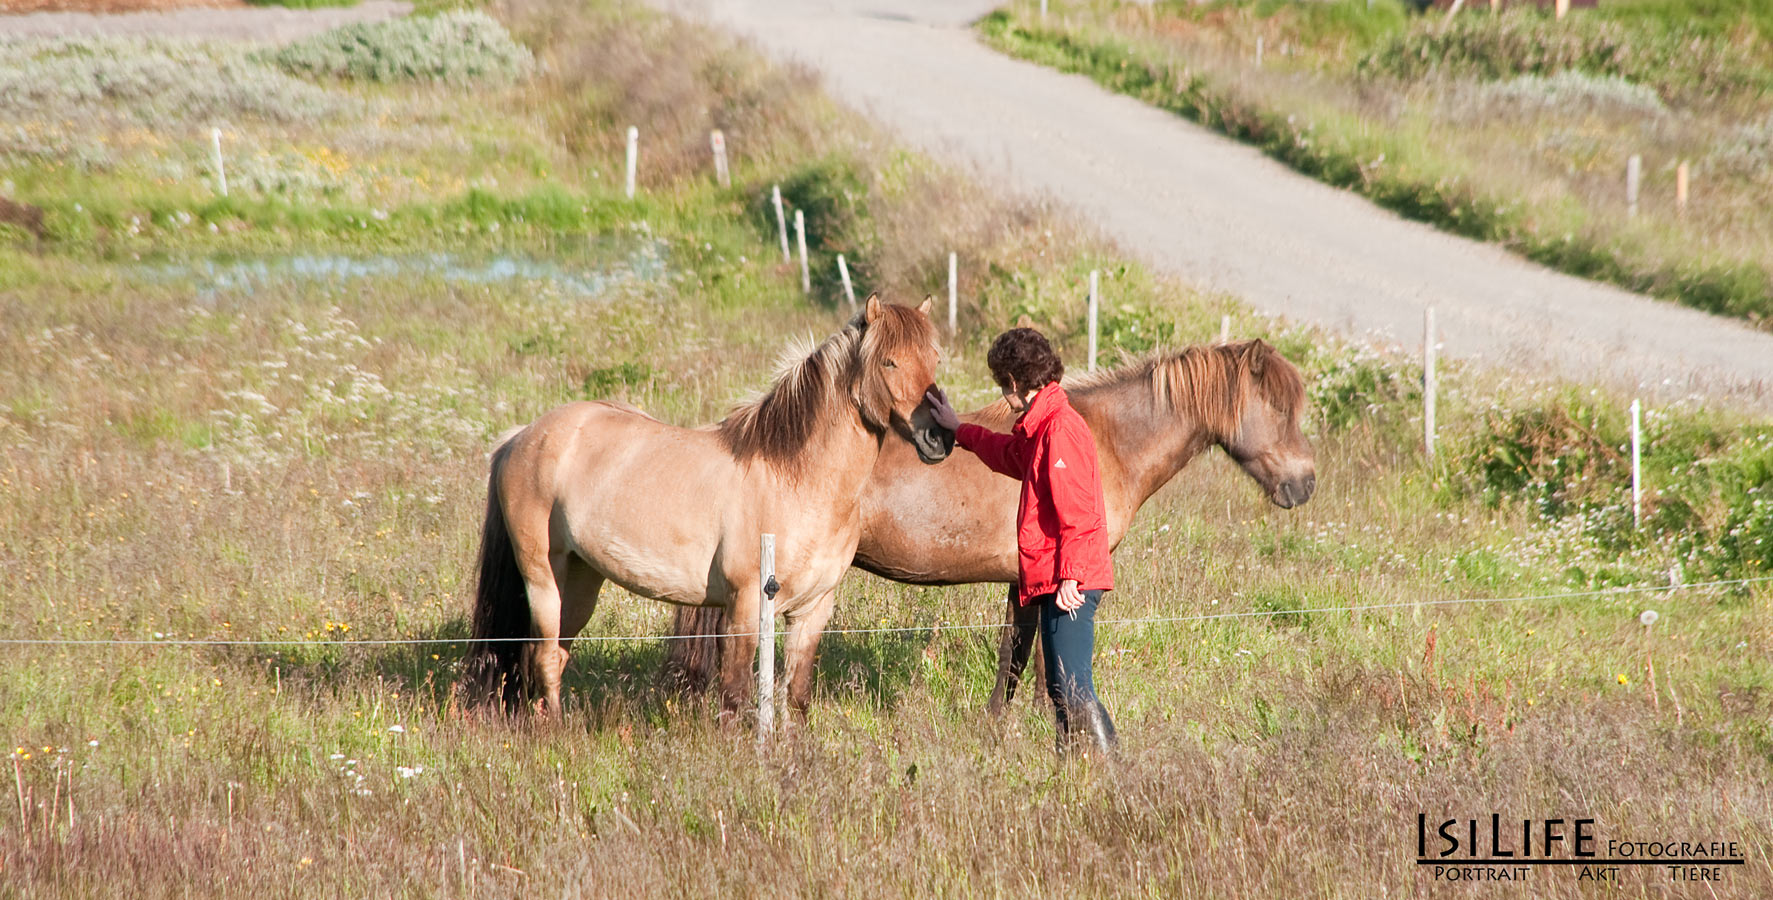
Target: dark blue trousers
x,y
1067,641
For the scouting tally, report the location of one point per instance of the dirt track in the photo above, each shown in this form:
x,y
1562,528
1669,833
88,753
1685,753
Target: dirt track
x,y
1228,218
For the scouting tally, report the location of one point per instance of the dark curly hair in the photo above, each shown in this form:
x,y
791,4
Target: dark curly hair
x,y
1025,355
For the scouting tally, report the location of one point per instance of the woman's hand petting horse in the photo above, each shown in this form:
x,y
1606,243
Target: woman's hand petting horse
x,y
944,414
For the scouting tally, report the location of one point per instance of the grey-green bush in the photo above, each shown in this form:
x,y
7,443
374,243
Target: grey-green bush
x,y
152,81
1573,92
457,48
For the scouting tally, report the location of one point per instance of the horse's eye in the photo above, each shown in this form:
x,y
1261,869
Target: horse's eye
x,y
891,365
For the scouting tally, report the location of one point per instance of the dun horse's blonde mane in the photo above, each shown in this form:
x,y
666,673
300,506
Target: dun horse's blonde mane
x,y
1205,383
777,426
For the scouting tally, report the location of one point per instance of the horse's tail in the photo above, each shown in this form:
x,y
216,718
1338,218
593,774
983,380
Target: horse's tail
x,y
498,667
692,659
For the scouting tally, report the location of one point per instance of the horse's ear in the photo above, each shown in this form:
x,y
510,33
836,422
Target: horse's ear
x,y
1256,357
874,311
929,303
1024,321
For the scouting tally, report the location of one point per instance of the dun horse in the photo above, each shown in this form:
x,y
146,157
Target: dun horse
x,y
598,491
955,523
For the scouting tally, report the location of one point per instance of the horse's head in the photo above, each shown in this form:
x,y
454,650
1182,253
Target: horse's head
x,y
898,361
1265,438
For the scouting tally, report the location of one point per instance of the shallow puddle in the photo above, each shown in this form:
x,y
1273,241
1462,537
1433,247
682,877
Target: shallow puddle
x,y
245,275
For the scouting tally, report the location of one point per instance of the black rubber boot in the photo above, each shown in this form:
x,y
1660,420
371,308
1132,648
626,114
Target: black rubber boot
x,y
1062,728
1098,728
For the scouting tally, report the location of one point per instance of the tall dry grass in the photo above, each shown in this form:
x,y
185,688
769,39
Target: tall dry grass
x,y
305,460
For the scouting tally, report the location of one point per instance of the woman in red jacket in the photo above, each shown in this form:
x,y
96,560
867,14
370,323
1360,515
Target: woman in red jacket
x,y
1061,533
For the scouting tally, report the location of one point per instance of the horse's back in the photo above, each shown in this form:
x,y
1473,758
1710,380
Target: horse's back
x,y
642,501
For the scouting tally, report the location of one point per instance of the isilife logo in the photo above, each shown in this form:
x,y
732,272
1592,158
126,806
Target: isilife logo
x,y
1499,848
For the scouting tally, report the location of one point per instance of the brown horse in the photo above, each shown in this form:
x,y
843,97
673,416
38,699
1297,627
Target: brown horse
x,y
955,523
598,491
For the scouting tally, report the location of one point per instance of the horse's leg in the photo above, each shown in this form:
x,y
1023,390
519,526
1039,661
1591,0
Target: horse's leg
x,y
579,585
693,655
547,659
1021,624
805,627
738,649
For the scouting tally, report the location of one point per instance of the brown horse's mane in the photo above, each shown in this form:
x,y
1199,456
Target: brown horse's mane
x,y
777,426
1203,382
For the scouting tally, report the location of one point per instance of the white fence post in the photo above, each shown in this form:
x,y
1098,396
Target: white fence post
x,y
1225,329
766,639
806,274
1095,302
221,174
1634,173
1637,484
843,271
1428,383
953,294
633,158
717,140
781,221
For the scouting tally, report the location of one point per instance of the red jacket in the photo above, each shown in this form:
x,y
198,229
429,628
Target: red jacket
x,y
1061,529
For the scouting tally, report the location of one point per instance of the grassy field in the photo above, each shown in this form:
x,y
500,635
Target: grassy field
x,y
1509,128
266,417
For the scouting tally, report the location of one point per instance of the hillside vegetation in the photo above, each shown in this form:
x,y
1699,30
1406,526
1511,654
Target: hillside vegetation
x,y
266,417
1512,128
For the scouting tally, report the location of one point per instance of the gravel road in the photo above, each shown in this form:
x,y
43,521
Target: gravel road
x,y
1227,218
263,24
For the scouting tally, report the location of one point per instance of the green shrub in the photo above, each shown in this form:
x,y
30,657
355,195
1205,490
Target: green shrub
x,y
1706,17
456,47
833,198
1734,490
1676,62
1136,329
1708,489
1347,388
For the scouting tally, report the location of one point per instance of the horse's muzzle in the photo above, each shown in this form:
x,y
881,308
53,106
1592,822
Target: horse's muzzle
x,y
1293,492
933,444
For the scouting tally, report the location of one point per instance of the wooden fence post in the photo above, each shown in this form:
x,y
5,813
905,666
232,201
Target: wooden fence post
x,y
953,294
221,174
781,221
1095,303
1681,174
633,158
1634,173
806,274
717,140
766,639
843,271
1428,383
1637,484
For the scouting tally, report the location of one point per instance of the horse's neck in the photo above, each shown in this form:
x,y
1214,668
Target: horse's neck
x,y
842,452
1150,442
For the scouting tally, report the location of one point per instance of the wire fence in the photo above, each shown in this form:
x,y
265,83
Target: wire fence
x,y
897,629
